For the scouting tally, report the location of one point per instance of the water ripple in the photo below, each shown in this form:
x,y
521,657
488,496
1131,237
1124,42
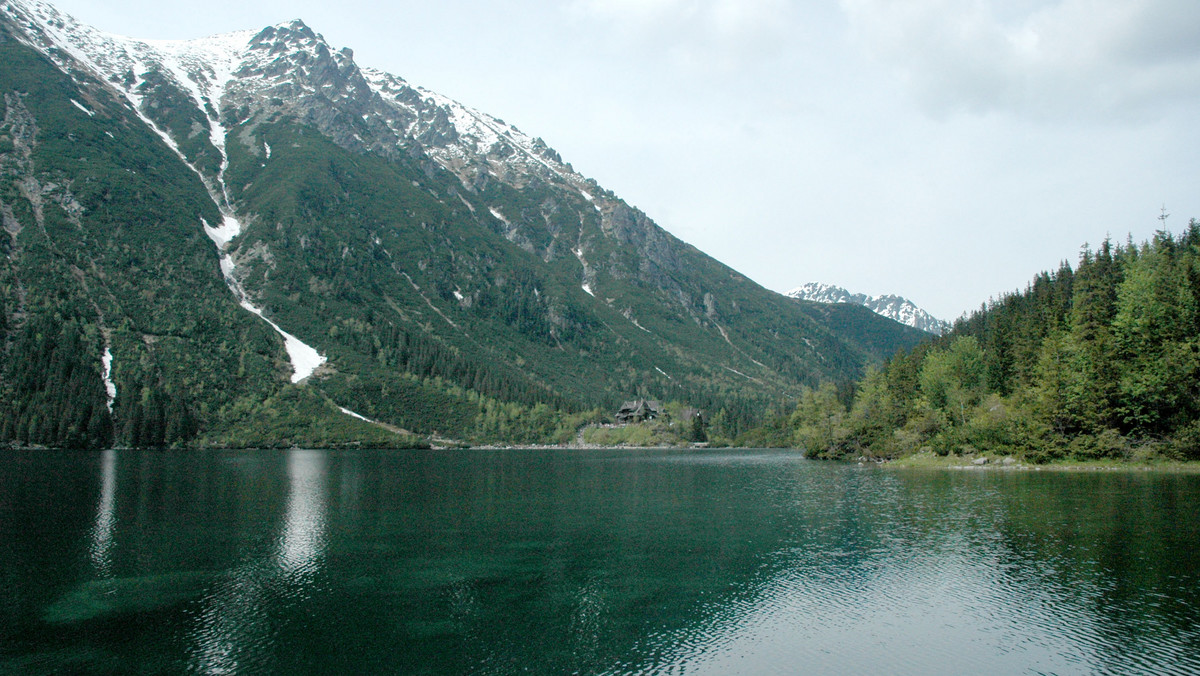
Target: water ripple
x,y
638,562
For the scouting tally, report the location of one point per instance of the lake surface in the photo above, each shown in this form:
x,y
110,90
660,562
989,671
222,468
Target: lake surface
x,y
604,562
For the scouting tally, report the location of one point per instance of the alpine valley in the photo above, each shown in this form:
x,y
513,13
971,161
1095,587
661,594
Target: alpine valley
x,y
249,240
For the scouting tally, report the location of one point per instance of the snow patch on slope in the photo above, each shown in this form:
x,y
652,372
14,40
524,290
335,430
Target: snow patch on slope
x,y
90,113
223,234
202,68
352,414
110,388
305,358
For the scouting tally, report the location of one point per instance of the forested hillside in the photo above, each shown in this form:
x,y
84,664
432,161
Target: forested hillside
x,y
101,255
1099,361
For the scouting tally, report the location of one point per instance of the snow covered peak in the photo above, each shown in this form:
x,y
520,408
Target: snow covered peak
x,y
199,67
203,66
295,42
289,68
891,306
295,31
822,293
117,57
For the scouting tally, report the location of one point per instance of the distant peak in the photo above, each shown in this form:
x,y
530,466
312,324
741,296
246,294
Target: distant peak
x,y
811,290
891,306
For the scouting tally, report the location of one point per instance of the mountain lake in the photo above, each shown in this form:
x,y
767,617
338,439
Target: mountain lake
x,y
588,562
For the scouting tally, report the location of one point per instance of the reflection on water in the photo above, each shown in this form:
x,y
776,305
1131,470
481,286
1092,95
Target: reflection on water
x,y
234,632
601,562
303,536
102,532
993,580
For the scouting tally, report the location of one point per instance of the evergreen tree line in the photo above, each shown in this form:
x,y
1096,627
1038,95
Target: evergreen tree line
x,y
1100,361
53,395
50,394
422,356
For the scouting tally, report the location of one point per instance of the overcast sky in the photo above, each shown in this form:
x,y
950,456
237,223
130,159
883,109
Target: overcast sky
x,y
943,150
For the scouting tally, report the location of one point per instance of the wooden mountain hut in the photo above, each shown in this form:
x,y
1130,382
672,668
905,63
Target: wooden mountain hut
x,y
638,410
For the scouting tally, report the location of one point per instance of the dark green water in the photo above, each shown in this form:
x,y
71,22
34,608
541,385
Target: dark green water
x,y
557,562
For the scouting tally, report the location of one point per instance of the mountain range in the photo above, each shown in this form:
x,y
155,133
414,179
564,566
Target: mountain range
x,y
249,239
893,307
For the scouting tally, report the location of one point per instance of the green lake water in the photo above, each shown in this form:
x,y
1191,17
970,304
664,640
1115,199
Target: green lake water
x,y
590,562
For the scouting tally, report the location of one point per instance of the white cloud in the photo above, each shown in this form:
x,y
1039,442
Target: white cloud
x,y
745,17
694,31
720,16
1053,59
636,12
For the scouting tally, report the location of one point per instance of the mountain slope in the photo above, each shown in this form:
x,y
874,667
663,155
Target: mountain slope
x,y
334,239
117,326
891,306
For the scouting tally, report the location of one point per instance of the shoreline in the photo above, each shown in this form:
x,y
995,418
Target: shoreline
x,y
580,447
998,463
919,461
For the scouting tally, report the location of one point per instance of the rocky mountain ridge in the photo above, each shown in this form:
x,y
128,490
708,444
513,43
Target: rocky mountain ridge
x,y
891,306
